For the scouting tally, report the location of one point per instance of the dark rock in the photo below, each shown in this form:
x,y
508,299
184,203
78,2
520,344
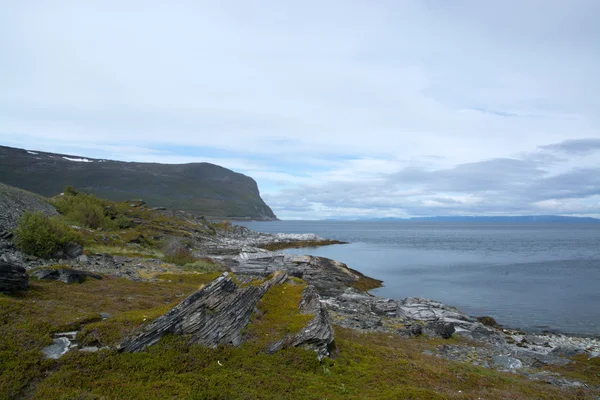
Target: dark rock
x,y
442,329
567,351
416,329
63,274
73,250
317,335
12,277
216,314
70,250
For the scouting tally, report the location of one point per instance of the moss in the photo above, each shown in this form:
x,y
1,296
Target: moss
x,y
581,368
299,244
369,366
364,283
278,315
190,278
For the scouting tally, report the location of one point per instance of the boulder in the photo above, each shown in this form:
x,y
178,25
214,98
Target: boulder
x,y
442,329
63,274
70,250
214,315
12,277
507,363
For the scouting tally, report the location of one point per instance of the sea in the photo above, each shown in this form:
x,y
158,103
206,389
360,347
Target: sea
x,y
531,276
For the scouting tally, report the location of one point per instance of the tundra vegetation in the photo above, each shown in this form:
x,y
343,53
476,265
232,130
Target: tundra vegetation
x,y
362,365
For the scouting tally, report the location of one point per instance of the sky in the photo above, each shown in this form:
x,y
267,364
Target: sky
x,y
383,108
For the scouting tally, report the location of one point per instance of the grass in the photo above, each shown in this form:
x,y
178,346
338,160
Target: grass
x,y
299,244
278,315
581,368
369,366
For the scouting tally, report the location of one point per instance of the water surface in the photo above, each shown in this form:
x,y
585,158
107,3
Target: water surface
x,y
530,276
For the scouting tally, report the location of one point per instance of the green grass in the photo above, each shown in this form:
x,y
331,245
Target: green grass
x,y
365,366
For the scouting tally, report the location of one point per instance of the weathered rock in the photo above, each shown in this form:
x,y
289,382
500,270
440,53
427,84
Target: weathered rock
x,y
216,314
328,276
63,274
416,329
442,328
567,351
507,362
317,335
70,250
12,277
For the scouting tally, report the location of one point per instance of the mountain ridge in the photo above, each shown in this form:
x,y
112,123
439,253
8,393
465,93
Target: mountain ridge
x,y
201,188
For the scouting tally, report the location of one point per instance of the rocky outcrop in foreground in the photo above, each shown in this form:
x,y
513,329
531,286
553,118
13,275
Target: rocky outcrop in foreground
x,y
12,277
217,314
317,334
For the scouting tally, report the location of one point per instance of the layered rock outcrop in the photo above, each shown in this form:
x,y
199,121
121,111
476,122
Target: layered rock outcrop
x,y
217,314
12,277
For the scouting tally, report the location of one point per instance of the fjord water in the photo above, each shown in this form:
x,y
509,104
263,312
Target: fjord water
x,y
533,276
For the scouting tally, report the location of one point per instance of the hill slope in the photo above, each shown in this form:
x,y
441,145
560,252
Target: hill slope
x,y
201,188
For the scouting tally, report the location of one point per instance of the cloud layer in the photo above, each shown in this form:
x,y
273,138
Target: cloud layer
x,y
337,108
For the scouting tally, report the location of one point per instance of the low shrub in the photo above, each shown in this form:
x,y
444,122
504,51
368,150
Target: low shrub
x,y
176,253
84,209
37,234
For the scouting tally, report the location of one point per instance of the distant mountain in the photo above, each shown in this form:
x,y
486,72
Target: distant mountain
x,y
202,188
517,218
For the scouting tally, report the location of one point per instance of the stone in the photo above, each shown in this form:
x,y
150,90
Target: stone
x,y
214,315
567,351
443,329
73,250
12,277
416,329
63,274
59,347
507,362
317,335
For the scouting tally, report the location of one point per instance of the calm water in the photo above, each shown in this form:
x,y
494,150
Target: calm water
x,y
529,276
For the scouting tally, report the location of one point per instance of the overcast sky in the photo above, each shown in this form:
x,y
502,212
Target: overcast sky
x,y
336,108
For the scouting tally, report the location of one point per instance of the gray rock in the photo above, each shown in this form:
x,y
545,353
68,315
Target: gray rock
x,y
63,274
442,329
216,314
57,349
317,335
507,362
567,351
12,277
73,250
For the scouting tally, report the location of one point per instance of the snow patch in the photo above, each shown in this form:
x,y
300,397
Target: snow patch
x,y
32,152
78,159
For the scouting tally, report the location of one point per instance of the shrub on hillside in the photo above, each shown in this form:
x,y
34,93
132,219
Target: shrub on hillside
x,y
176,253
83,209
41,236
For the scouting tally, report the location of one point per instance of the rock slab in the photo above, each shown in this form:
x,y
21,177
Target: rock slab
x,y
317,335
66,275
215,314
12,277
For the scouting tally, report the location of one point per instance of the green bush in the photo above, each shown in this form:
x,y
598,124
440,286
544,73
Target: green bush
x,y
84,209
38,235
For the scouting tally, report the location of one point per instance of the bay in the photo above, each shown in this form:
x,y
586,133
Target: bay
x,y
532,276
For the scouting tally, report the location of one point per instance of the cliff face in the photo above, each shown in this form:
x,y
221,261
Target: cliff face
x,y
201,188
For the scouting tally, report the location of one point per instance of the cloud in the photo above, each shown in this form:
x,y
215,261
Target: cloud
x,y
575,146
402,108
